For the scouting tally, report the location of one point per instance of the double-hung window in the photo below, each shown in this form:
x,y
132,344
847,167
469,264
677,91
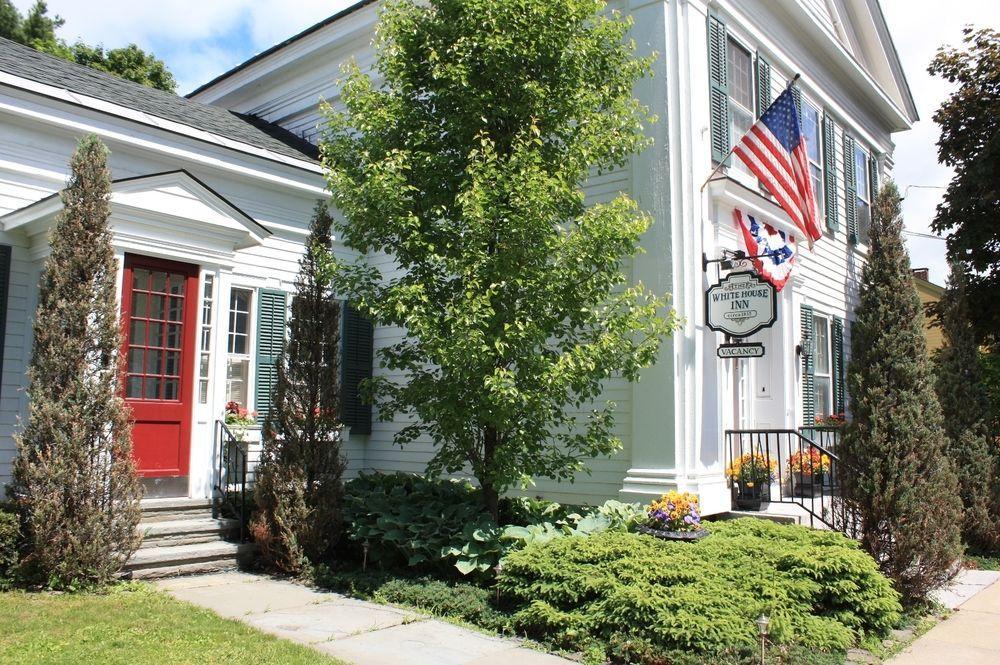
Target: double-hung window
x,y
823,367
811,130
741,93
238,346
862,197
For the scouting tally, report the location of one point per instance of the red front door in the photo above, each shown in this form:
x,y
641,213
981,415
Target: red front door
x,y
159,306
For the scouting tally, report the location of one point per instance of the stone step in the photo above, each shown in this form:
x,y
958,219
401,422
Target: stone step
x,y
160,510
155,562
188,531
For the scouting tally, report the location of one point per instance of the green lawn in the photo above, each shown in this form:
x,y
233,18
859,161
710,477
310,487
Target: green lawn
x,y
132,624
985,562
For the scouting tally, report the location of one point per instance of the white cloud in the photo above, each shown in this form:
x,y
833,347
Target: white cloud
x,y
919,28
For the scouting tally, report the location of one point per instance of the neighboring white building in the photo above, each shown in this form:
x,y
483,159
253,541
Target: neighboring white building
x,y
221,186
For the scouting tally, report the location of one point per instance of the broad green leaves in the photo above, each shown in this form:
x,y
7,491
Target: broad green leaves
x,y
466,167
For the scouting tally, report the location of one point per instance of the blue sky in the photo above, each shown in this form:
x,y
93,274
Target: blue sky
x,y
199,39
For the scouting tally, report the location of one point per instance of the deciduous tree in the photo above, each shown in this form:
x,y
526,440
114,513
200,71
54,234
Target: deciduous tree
x,y
38,30
465,166
970,143
75,483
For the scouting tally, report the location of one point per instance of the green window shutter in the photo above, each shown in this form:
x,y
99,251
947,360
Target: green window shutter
x,y
5,257
850,189
270,344
357,337
808,368
797,98
830,173
718,78
838,366
763,85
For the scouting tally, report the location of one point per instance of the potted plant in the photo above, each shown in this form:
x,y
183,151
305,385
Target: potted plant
x,y
807,469
239,419
674,516
832,421
751,476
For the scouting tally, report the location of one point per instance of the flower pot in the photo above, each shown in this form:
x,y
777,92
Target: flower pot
x,y
672,535
804,484
751,497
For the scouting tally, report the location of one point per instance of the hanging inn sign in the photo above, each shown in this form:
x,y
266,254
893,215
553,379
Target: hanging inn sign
x,y
739,305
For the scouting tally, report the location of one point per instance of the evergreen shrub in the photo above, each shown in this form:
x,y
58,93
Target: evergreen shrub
x,y
657,598
10,535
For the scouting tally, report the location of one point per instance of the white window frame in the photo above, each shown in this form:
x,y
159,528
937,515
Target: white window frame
x,y
247,357
827,408
737,165
206,325
862,178
819,182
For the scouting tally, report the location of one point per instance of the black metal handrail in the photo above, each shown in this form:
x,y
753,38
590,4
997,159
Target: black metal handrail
x,y
827,436
786,466
234,477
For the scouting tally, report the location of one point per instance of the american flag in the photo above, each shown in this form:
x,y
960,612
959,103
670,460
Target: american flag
x,y
775,151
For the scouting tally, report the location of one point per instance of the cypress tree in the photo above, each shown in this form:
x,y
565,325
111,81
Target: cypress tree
x,y
966,408
299,478
75,483
897,475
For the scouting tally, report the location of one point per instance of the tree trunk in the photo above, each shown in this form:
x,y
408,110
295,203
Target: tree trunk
x,y
490,494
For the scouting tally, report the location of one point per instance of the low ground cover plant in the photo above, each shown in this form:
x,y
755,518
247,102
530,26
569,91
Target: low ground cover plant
x,y
442,526
652,600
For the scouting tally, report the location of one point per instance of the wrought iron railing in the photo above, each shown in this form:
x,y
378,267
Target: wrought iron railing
x,y
790,467
235,474
826,437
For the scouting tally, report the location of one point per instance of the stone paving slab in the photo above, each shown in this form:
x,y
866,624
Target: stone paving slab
x,y
964,586
327,621
350,629
250,598
970,636
427,642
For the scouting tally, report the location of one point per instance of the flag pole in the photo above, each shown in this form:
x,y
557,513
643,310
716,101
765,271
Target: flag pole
x,y
729,154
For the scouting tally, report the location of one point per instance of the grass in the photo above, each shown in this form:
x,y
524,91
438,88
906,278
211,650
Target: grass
x,y
984,562
132,624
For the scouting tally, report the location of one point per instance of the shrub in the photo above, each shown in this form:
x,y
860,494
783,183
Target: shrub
x,y
820,590
462,601
75,483
10,534
894,468
408,519
299,486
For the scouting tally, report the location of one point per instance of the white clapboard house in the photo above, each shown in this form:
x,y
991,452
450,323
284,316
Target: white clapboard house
x,y
212,196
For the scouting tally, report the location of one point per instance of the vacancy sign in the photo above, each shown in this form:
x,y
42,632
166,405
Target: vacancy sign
x,y
740,305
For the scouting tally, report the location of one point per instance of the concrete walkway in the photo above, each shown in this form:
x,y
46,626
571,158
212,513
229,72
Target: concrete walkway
x,y
971,635
352,630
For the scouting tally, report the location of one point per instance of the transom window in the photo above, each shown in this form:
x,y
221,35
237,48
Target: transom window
x,y
238,346
154,335
741,94
814,149
863,194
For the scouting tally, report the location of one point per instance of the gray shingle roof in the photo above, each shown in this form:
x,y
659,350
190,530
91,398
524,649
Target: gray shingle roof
x,y
43,68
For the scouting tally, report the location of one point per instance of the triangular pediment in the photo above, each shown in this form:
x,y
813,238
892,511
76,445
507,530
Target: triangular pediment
x,y
174,198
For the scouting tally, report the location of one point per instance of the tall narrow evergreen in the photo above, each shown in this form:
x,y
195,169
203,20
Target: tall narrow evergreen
x,y
75,482
299,479
966,408
896,472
